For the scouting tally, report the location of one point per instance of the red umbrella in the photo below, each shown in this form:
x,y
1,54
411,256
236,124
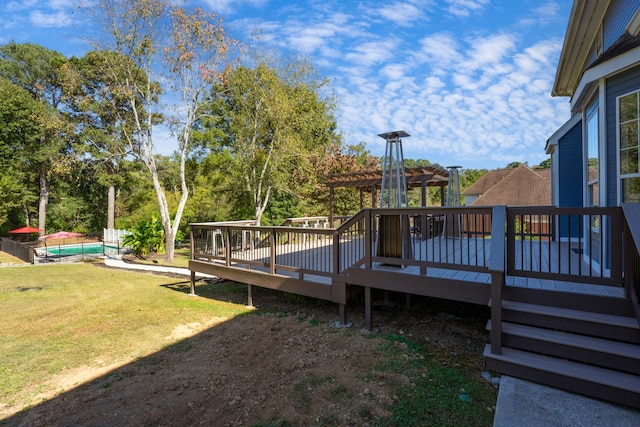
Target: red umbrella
x,y
62,235
25,230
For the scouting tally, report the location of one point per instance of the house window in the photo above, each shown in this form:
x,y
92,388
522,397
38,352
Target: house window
x,y
629,119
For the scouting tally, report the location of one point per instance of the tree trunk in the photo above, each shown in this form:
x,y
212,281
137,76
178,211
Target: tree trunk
x,y
111,207
43,201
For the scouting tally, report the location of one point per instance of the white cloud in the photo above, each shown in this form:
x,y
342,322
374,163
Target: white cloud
x,y
228,7
464,8
61,4
47,20
438,49
373,52
14,6
401,13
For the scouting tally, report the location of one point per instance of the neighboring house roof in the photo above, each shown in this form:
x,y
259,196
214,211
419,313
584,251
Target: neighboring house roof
x,y
521,186
487,181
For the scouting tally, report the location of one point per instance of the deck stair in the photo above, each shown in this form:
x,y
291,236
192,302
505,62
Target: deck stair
x,y
591,351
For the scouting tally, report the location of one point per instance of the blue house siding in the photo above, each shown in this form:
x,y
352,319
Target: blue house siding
x,y
617,19
617,85
570,177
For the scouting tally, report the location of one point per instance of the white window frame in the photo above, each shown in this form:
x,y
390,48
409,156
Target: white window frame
x,y
592,109
619,175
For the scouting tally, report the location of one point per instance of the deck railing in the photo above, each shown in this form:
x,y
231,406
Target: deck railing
x,y
569,244
566,244
456,238
631,250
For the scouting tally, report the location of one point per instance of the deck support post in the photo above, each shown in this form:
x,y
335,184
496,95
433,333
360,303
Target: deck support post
x,y
368,308
498,275
249,296
497,285
192,284
342,313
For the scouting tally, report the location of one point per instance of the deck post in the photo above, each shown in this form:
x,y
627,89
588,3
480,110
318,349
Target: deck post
x,y
272,255
192,284
497,285
368,237
249,296
368,308
227,246
192,246
496,267
342,313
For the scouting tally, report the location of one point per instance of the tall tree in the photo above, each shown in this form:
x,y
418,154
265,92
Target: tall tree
x,y
19,130
102,115
37,70
189,56
275,119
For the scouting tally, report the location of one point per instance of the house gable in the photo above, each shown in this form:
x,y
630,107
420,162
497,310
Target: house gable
x,y
487,181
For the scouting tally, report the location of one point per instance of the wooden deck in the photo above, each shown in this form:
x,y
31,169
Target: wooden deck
x,y
301,264
548,275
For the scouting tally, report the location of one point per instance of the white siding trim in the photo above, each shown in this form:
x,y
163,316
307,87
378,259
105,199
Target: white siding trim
x,y
606,69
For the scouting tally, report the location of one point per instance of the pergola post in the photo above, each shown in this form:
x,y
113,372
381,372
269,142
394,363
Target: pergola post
x,y
331,201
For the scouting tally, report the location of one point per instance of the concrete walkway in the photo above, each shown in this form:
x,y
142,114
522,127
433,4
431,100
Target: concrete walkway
x,y
119,263
526,404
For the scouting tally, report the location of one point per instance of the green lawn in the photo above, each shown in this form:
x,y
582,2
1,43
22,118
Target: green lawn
x,y
70,315
57,318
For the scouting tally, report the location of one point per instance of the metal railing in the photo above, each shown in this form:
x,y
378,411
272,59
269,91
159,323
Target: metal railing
x,y
568,244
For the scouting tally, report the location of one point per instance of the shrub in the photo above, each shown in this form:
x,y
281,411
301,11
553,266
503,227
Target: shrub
x,y
146,237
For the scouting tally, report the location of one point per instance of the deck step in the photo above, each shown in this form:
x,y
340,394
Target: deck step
x,y
618,305
600,383
620,328
602,352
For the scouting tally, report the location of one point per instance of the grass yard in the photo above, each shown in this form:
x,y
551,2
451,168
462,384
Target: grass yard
x,y
81,344
59,317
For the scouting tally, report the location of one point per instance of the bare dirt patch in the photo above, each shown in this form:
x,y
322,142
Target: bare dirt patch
x,y
286,364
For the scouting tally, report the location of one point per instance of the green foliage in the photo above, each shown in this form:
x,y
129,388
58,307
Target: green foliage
x,y
19,129
545,164
273,121
47,151
146,237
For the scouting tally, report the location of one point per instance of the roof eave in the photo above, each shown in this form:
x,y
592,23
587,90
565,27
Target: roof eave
x,y
585,19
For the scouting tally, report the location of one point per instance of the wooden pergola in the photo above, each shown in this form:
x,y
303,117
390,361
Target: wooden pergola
x,y
371,181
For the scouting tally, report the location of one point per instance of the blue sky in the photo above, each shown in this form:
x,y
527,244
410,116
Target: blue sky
x,y
470,80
